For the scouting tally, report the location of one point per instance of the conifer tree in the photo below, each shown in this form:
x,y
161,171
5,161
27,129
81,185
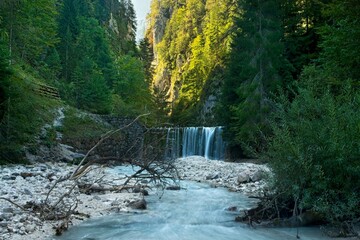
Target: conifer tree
x,y
340,46
253,72
147,56
31,30
4,75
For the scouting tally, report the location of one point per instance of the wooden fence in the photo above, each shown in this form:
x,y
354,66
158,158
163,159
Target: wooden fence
x,y
47,91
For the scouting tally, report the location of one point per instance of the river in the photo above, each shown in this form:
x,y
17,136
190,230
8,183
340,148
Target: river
x,y
196,212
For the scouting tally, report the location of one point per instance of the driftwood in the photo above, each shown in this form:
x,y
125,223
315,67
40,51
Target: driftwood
x,y
152,169
64,210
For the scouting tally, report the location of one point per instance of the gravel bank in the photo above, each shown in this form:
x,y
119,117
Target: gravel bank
x,y
22,184
247,178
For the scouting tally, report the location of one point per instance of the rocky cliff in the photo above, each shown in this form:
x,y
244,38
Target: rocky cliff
x,y
191,41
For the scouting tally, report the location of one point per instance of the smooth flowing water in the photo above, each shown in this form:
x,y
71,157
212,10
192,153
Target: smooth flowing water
x,y
197,212
199,141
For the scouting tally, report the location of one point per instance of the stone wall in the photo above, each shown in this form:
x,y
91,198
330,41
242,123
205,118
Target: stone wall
x,y
124,145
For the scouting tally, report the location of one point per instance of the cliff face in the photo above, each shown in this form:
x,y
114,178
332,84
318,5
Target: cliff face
x,y
191,41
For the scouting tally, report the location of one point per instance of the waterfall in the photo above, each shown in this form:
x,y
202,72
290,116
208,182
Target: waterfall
x,y
173,145
200,141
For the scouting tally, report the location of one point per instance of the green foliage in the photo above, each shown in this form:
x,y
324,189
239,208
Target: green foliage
x,y
340,46
147,56
192,39
301,20
253,73
131,87
91,72
24,116
31,30
315,150
72,44
91,92
5,73
79,125
98,61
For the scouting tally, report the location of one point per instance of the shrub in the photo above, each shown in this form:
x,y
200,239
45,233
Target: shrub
x,y
315,149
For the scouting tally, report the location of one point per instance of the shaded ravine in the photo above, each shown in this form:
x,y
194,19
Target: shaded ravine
x,y
195,212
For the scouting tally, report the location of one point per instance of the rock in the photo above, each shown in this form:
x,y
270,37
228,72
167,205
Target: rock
x,y
257,176
232,209
27,174
53,178
77,155
22,231
4,224
30,228
97,198
20,226
43,167
243,177
7,178
213,176
115,203
144,192
27,192
174,188
138,204
137,189
8,210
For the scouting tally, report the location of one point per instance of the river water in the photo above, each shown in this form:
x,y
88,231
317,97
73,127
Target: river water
x,y
196,212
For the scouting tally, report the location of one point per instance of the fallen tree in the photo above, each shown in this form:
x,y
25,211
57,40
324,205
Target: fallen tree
x,y
150,170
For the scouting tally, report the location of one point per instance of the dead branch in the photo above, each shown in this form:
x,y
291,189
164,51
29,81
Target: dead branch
x,y
14,203
103,138
152,167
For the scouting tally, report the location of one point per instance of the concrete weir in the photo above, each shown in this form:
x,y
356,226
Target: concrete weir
x,y
195,141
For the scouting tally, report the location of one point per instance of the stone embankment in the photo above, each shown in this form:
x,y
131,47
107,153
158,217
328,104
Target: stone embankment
x,y
247,178
31,184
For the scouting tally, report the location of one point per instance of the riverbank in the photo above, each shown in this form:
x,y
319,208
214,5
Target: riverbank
x,y
25,184
22,184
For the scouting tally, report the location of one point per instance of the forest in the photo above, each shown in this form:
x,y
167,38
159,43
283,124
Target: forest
x,y
281,76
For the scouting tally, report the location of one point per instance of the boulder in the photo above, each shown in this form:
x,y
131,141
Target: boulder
x,y
139,189
138,204
213,176
232,209
257,176
173,187
30,228
243,177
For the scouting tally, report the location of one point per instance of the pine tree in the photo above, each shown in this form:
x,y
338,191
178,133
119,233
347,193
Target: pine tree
x,y
300,20
4,75
31,28
341,49
147,56
253,72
